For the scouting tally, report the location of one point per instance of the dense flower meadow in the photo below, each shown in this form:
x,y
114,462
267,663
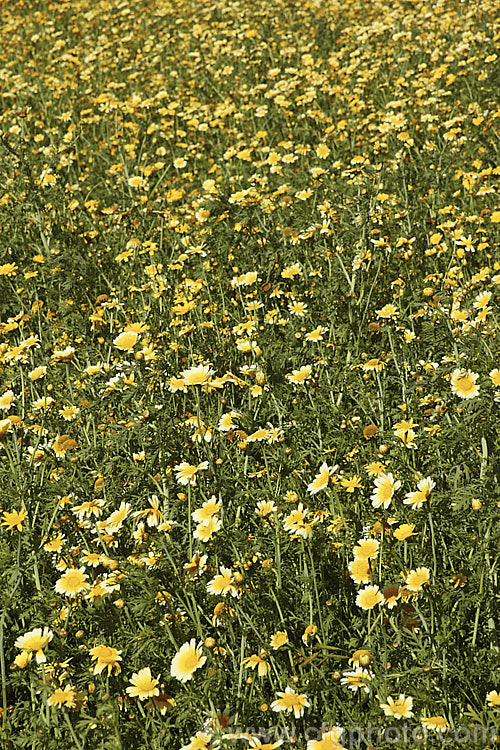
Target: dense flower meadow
x,y
249,374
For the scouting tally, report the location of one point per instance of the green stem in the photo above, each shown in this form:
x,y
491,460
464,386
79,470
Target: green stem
x,y
277,550
433,545
72,731
380,400
189,524
401,376
315,585
478,609
2,667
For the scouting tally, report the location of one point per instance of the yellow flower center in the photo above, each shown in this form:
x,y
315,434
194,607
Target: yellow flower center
x,y
290,700
385,491
465,384
189,662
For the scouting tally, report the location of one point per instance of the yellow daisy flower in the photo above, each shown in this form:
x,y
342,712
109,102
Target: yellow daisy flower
x,y
206,529
73,582
187,473
404,531
463,383
418,578
300,376
399,708
360,658
14,519
143,685
418,498
126,340
369,597
207,510
357,679
385,487
329,741
279,639
291,702
66,697
257,661
223,583
199,375
359,570
34,642
107,658
366,549
187,660
438,723
321,480
493,699
7,400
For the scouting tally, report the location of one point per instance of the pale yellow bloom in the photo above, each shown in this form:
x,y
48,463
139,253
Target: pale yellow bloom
x,y
322,479
300,376
404,531
7,400
329,741
64,697
421,495
187,473
223,583
210,508
493,699
385,487
399,708
187,660
143,685
257,661
126,340
369,597
361,658
418,578
266,508
366,549
199,375
73,582
358,679
206,529
309,632
107,658
34,642
463,383
360,571
291,702
438,723
279,639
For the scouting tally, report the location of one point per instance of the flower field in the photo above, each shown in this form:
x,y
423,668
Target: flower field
x,y
249,374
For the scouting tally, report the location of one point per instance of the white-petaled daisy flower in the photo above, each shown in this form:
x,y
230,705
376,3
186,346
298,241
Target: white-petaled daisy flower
x,y
34,642
322,479
187,473
291,701
369,597
400,708
358,679
421,495
463,383
187,660
199,375
385,487
223,583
